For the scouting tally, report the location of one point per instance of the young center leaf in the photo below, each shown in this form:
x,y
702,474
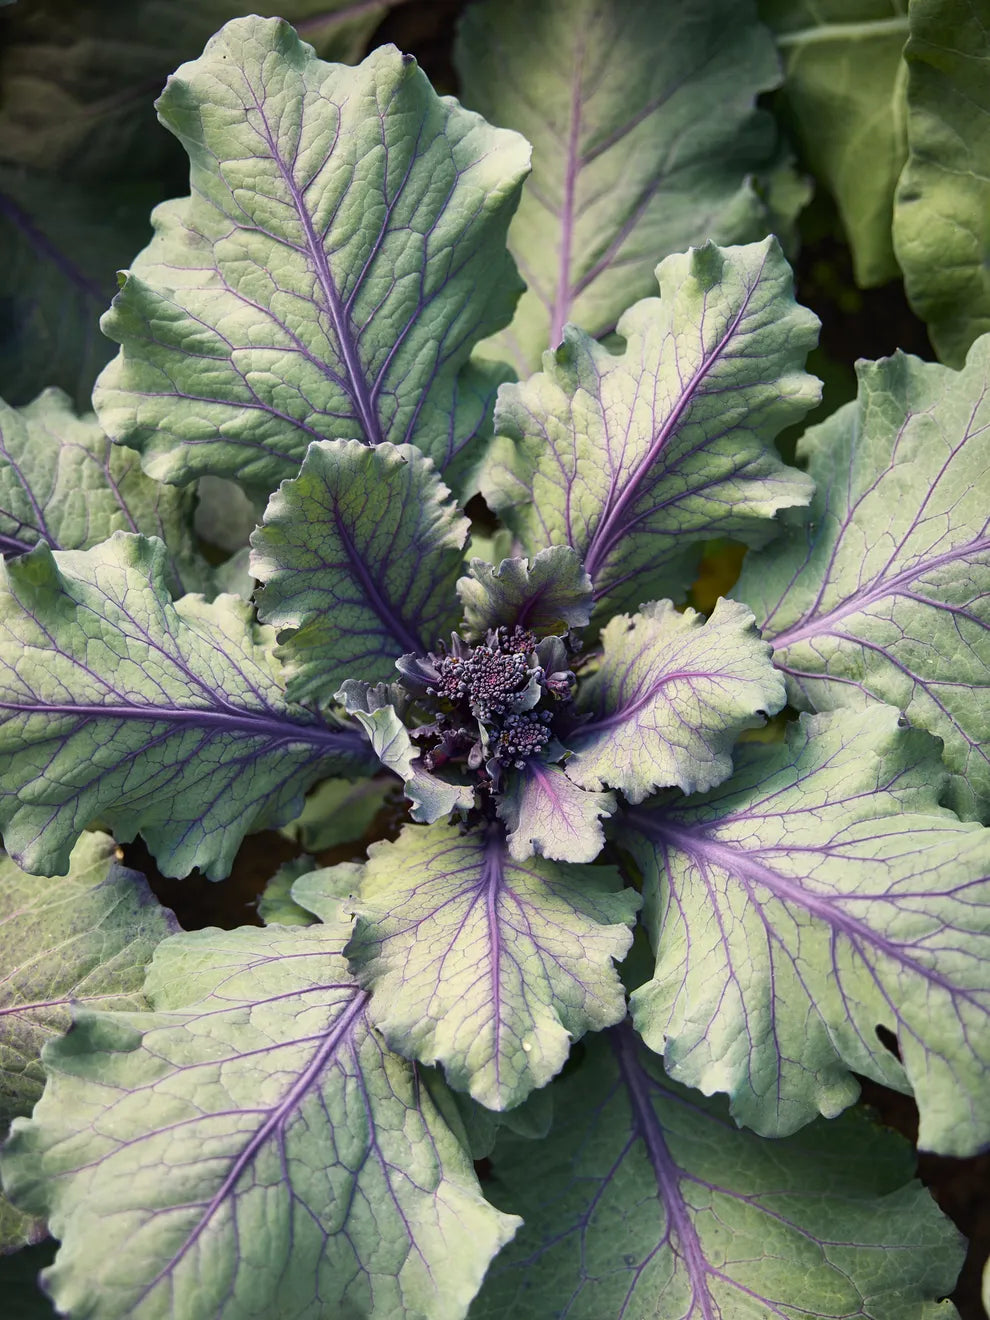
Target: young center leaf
x,y
358,555
645,139
647,1200
884,595
670,698
634,458
63,482
248,1147
546,595
817,901
118,706
548,814
486,965
342,251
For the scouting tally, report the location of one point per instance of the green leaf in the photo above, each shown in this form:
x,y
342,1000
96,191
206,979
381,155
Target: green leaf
x,y
359,556
885,594
843,100
670,698
249,1148
276,906
367,261
635,458
647,1201
85,938
485,965
645,140
942,208
816,901
338,811
17,1231
546,813
547,595
63,482
118,706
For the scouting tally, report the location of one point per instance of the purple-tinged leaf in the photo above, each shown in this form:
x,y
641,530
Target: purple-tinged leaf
x,y
118,706
818,900
358,555
634,458
547,814
884,596
341,253
249,1148
486,965
671,697
646,1201
548,594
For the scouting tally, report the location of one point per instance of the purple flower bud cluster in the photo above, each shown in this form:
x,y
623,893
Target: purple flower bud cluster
x,y
522,737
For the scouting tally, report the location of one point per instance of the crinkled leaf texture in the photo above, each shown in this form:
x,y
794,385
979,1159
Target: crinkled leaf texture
x,y
635,458
942,207
646,137
118,706
84,938
885,594
63,482
647,1201
820,894
670,698
359,556
547,594
249,1148
486,965
547,813
341,253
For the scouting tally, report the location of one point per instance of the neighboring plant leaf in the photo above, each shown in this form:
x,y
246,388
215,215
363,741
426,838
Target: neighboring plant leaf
x,y
63,242
338,811
118,707
672,695
367,261
819,895
843,99
645,135
276,906
547,595
942,208
634,459
646,1200
547,813
485,965
885,594
63,482
248,1148
326,892
358,555
17,1230
85,938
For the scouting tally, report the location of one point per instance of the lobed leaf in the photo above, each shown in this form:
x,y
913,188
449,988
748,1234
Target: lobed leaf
x,y
486,965
645,1200
547,594
546,813
341,253
819,900
884,596
672,695
633,459
942,206
645,139
358,555
118,706
249,1148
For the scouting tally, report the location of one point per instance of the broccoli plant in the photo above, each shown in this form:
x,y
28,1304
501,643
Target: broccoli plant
x,y
657,876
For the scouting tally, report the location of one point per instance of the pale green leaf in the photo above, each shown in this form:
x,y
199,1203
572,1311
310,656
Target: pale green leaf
x,y
358,556
340,255
486,965
942,207
633,459
885,594
546,595
249,1149
276,906
817,900
645,139
546,813
670,698
646,1202
118,706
